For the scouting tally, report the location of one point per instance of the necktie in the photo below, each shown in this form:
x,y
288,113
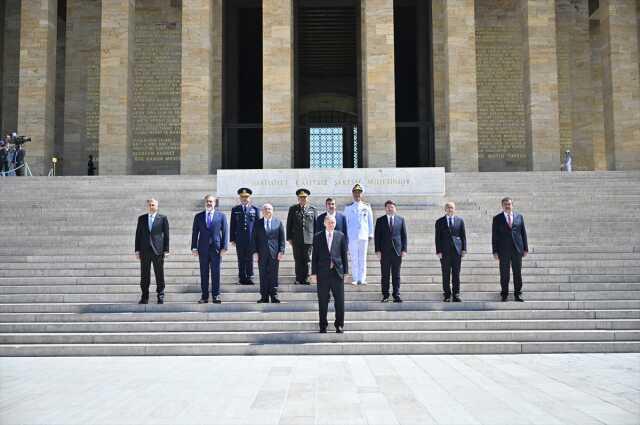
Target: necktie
x,y
150,222
269,225
209,220
391,223
329,240
509,221
450,222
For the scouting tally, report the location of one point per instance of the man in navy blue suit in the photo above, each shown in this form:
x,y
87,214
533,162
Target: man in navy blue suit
x,y
341,220
269,240
243,218
509,245
209,242
451,246
390,238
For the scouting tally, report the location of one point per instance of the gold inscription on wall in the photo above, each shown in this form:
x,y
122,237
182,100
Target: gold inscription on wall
x,y
501,124
156,88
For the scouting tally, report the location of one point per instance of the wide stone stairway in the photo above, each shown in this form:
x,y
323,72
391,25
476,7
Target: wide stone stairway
x,y
69,282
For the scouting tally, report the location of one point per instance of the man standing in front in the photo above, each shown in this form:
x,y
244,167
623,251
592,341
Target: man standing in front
x,y
151,247
360,230
451,246
209,244
509,243
329,265
301,221
243,218
390,246
268,238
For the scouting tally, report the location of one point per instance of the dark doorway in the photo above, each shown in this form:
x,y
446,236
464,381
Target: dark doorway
x,y
415,145
327,111
242,84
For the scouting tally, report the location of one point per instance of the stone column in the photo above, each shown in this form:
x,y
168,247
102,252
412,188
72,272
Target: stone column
x,y
277,83
541,84
597,118
116,82
36,101
619,26
201,108
378,83
10,65
461,94
439,83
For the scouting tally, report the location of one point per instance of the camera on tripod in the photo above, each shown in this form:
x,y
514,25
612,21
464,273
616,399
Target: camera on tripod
x,y
19,140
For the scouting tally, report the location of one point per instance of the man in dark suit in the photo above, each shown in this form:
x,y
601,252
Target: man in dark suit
x,y
509,243
269,241
151,247
451,246
243,218
390,239
329,265
209,241
20,157
341,220
301,221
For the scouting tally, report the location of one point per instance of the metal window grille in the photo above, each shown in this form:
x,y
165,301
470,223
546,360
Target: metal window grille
x,y
326,147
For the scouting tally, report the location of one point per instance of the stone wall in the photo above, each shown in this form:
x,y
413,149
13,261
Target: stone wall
x,y
10,66
501,123
155,144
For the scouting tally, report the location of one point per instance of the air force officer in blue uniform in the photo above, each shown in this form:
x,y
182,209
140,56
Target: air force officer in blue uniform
x,y
209,242
243,218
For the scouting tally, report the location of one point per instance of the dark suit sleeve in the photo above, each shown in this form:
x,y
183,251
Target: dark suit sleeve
x,y
438,243
138,234
165,230
290,218
254,236
314,255
316,227
194,233
377,236
463,235
525,245
315,221
232,231
225,231
494,235
403,235
281,240
344,229
344,255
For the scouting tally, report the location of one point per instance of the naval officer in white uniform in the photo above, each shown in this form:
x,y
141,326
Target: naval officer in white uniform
x,y
360,230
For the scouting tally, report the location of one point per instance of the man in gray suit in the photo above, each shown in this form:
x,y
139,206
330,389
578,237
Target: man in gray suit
x,y
269,241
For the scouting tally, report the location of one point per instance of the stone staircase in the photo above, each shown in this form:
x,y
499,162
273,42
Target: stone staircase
x,y
69,282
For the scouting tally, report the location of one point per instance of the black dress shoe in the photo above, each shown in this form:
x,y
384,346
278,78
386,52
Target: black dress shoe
x,y
143,301
518,298
504,298
216,300
203,300
397,299
250,282
160,300
323,330
275,300
339,330
456,299
446,298
305,283
263,300
385,299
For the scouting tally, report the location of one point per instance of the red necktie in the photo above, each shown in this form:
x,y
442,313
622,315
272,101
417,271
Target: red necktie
x,y
509,221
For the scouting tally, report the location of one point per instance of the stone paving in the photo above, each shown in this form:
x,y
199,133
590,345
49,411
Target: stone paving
x,y
454,389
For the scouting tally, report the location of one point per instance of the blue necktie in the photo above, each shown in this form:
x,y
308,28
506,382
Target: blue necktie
x,y
208,220
150,222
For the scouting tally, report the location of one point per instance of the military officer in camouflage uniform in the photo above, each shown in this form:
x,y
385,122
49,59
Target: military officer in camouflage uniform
x,y
243,217
301,222
360,231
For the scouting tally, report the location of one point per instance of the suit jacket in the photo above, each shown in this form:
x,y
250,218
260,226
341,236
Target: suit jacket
x,y
341,223
269,243
323,257
241,225
390,241
207,239
450,241
504,239
156,241
20,154
301,224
